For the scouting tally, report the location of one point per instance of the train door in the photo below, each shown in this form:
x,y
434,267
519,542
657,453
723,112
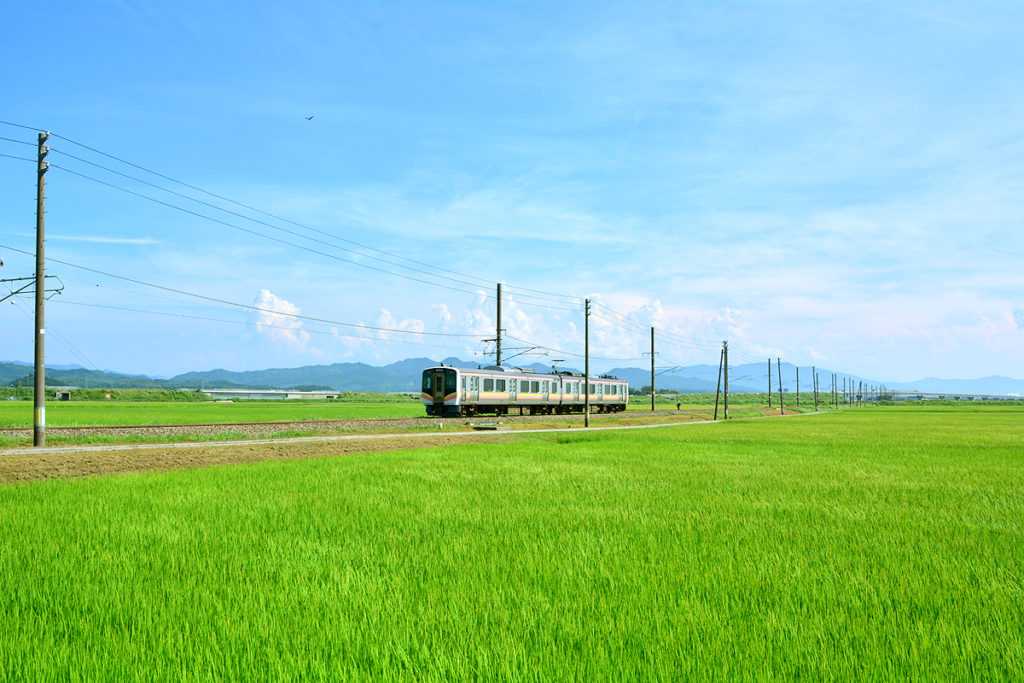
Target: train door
x,y
512,390
438,387
474,389
545,386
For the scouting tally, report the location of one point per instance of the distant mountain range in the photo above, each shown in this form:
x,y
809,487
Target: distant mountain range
x,y
405,376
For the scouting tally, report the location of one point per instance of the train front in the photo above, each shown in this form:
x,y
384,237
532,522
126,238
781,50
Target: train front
x,y
441,391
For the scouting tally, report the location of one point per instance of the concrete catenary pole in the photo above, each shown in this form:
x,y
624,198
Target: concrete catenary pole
x,y
814,381
39,423
782,405
498,330
586,364
652,370
725,402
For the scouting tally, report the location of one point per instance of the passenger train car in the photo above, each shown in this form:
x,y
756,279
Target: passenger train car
x,y
498,389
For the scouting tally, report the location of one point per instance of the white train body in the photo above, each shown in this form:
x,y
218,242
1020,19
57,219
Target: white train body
x,y
448,391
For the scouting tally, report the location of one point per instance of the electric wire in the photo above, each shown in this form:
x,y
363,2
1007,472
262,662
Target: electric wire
x,y
266,224
20,142
623,321
239,305
567,353
257,233
560,297
545,295
244,323
11,156
18,125
288,243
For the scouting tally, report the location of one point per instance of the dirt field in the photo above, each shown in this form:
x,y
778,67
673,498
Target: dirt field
x,y
67,465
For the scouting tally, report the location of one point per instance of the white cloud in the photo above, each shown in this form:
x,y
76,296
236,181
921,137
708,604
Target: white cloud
x,y
386,320
276,319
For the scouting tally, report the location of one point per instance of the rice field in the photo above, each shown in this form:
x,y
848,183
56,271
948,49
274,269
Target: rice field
x,y
878,543
15,414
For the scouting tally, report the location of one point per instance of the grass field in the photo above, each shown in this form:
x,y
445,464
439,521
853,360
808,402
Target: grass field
x,y
15,414
862,545
82,413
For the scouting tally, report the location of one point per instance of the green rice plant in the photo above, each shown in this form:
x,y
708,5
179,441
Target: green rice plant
x,y
858,545
15,414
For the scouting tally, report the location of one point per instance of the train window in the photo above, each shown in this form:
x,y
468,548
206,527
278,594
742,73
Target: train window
x,y
501,385
450,379
488,384
426,382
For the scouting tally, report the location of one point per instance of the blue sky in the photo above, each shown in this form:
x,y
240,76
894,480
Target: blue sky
x,y
839,184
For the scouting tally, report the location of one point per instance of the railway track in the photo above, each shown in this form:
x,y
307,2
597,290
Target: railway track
x,y
262,429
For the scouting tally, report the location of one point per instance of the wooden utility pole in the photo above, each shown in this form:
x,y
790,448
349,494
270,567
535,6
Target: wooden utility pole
x,y
798,386
652,370
725,365
782,405
586,363
39,423
718,386
498,335
769,382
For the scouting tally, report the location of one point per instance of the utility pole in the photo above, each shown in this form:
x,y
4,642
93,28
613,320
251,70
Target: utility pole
x,y
798,386
769,382
718,386
39,424
498,335
814,383
725,364
652,370
586,363
782,405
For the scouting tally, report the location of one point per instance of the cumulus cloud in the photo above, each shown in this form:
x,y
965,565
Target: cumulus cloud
x,y
276,319
386,319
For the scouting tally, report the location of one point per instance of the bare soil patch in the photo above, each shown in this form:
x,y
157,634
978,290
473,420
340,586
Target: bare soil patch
x,y
34,467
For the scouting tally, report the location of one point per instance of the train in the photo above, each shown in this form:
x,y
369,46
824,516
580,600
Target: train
x,y
499,389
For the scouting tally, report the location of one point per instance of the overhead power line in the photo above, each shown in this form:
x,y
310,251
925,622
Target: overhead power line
x,y
235,304
549,295
250,324
18,125
289,243
11,156
564,352
237,214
